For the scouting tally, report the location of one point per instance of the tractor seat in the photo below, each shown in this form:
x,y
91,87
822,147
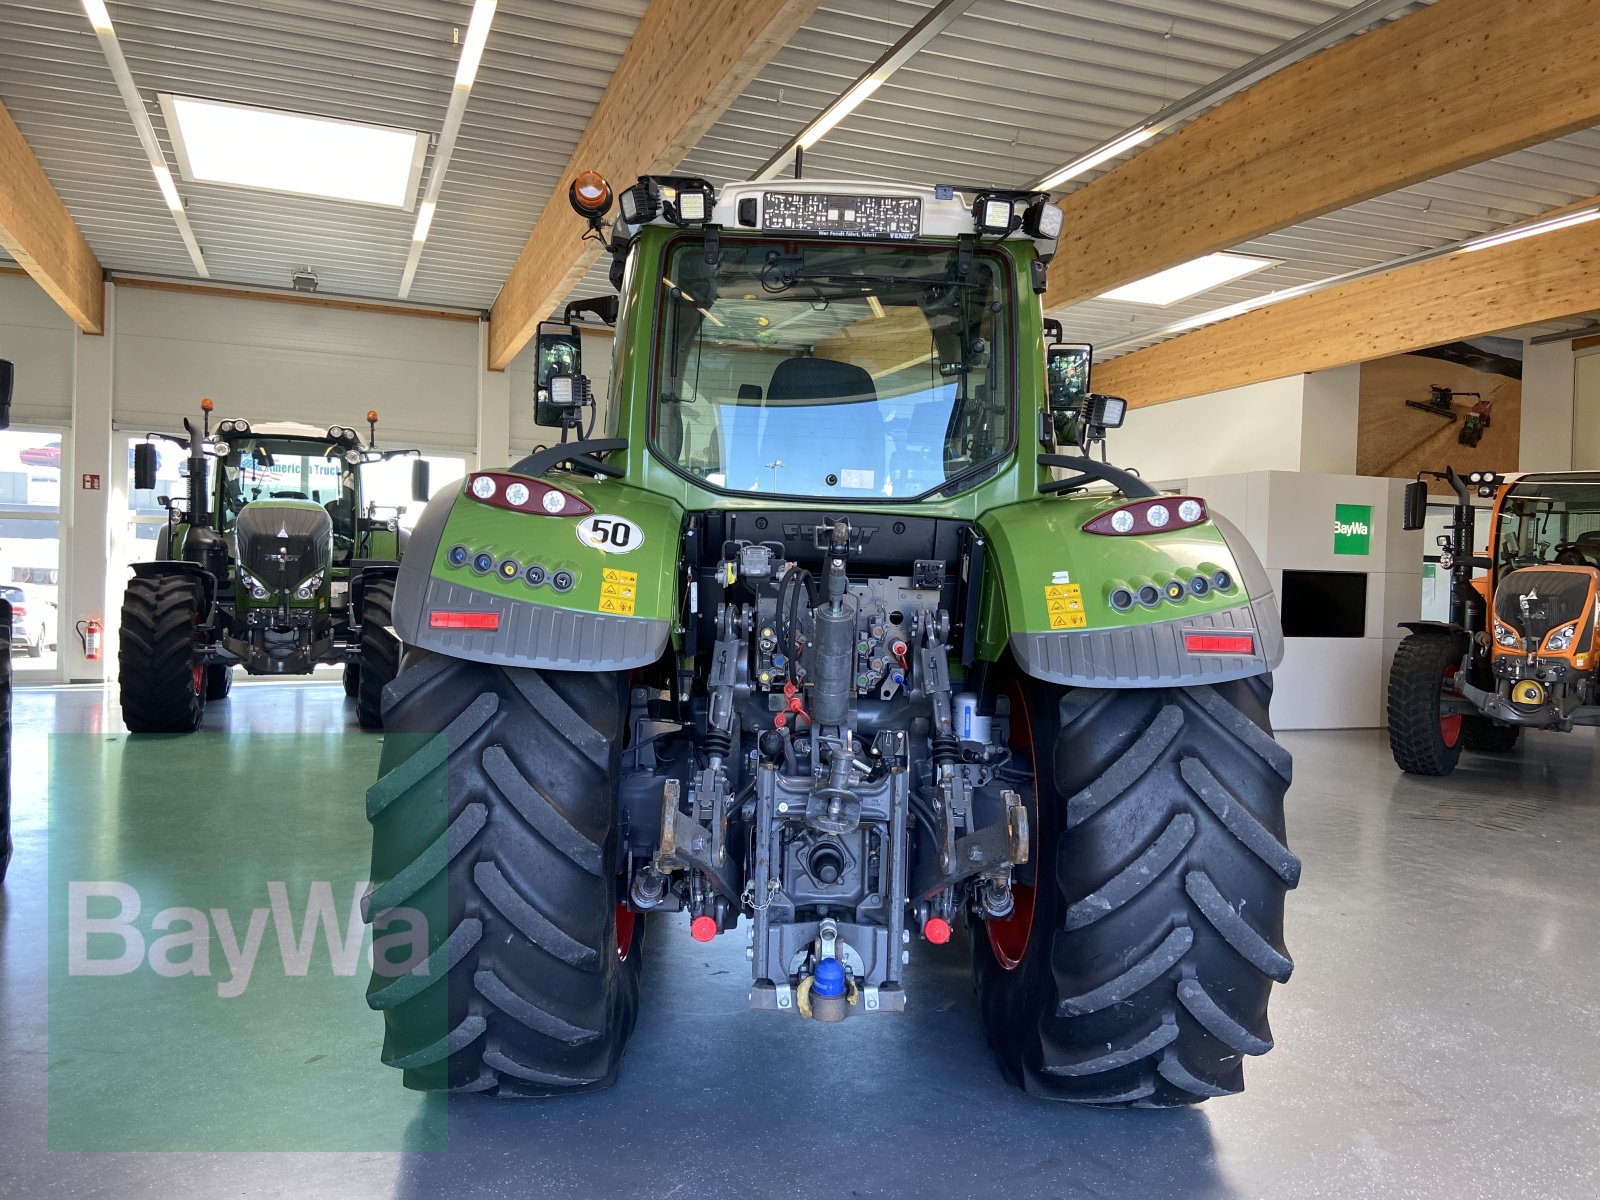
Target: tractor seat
x,y
1588,544
835,429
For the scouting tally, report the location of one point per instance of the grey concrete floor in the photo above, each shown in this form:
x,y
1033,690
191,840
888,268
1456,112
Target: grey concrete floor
x,y
1440,1037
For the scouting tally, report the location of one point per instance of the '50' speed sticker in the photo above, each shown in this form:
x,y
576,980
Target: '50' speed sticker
x,y
614,535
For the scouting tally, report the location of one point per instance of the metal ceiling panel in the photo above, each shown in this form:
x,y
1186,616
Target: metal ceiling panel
x,y
388,62
1010,91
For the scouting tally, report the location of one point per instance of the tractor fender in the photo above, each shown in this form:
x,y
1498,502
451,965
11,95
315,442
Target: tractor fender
x,y
178,566
1048,600
557,595
1433,627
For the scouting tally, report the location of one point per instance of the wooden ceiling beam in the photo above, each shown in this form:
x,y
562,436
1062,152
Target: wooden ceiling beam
x,y
688,60
1551,276
1457,83
37,231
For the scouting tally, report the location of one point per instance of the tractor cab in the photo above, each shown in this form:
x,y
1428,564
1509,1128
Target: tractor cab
x,y
275,561
1521,649
1546,549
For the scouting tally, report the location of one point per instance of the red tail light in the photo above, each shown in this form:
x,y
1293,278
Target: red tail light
x,y
518,493
464,620
1142,517
19,610
1219,643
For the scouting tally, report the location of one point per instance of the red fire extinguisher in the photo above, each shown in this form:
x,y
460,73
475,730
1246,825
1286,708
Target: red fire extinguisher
x,y
89,633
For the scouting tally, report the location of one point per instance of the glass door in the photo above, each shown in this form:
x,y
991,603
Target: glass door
x,y
30,548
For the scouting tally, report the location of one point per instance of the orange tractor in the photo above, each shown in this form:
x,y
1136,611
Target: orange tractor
x,y
1520,650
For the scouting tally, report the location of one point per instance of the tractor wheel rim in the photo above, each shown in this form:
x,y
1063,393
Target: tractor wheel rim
x,y
1449,724
1008,938
626,918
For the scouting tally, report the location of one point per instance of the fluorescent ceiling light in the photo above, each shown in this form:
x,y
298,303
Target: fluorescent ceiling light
x,y
1523,231
1095,157
98,16
841,109
424,221
472,45
1188,279
169,192
289,152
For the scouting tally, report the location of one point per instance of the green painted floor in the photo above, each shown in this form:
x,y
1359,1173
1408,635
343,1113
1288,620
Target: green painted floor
x,y
1437,1040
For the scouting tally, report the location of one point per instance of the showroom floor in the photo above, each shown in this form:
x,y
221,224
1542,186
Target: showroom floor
x,y
1438,1038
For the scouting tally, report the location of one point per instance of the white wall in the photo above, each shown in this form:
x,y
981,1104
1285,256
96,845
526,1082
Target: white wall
x,y
39,339
265,360
1328,683
1547,400
1303,422
1586,411
1330,419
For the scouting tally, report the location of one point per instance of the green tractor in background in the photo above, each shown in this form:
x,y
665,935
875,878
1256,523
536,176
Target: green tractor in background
x,y
830,624
272,564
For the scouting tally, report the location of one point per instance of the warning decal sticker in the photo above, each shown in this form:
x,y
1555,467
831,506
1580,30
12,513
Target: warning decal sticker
x,y
1064,601
618,591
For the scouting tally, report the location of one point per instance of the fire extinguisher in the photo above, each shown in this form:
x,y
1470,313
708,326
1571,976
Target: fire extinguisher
x,y
89,634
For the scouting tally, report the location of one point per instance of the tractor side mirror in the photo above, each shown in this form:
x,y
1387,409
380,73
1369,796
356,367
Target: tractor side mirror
x,y
1067,367
7,374
559,352
419,481
144,466
1416,506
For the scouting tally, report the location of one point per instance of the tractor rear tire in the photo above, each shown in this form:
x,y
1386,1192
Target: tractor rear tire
x,y
493,816
352,679
1422,738
162,677
219,681
380,652
1483,735
1137,969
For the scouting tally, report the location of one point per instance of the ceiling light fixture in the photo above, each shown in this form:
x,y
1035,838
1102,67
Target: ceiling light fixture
x,y
935,21
275,151
106,34
1177,283
1095,157
424,221
1352,20
477,37
98,16
837,111
169,190
472,49
1482,242
1517,233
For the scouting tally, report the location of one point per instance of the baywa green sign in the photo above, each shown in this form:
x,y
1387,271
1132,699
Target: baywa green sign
x,y
1352,529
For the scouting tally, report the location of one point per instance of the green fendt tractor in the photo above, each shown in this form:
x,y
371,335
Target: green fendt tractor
x,y
803,632
272,564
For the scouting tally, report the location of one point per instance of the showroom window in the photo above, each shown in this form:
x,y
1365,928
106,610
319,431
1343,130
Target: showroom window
x,y
30,546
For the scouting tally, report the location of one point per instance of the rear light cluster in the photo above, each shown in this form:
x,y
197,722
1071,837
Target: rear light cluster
x,y
1150,516
1174,591
532,574
1219,643
520,494
464,620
